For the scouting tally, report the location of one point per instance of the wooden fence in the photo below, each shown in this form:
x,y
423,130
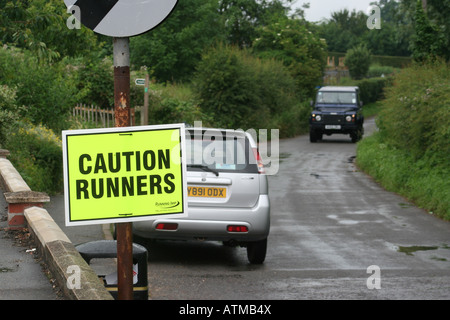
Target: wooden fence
x,y
103,117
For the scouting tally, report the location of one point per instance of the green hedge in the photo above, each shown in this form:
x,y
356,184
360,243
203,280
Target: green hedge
x,y
36,152
237,90
410,153
372,89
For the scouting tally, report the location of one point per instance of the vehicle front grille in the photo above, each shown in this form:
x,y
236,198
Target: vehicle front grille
x,y
333,119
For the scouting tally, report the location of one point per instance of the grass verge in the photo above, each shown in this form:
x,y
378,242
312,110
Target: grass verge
x,y
428,187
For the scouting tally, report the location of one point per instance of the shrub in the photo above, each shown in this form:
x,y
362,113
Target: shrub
x,y
358,60
8,108
36,154
238,90
376,71
372,89
47,91
96,82
409,154
416,112
300,50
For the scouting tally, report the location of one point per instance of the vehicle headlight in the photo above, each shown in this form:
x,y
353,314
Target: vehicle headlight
x,y
318,118
348,118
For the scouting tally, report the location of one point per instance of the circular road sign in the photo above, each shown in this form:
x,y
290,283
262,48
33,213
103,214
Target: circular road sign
x,y
121,18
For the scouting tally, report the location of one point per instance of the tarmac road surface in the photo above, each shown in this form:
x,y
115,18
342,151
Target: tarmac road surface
x,y
335,234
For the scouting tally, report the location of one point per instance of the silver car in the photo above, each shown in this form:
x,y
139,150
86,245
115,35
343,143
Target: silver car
x,y
228,197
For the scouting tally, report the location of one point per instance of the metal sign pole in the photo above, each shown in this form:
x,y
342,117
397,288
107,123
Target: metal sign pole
x,y
145,110
122,119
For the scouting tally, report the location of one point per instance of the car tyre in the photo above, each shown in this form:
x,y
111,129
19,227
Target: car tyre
x,y
256,251
356,136
312,136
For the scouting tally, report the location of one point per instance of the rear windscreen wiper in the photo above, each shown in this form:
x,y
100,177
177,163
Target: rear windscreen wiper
x,y
206,168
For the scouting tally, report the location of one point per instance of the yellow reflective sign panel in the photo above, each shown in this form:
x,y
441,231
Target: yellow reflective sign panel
x,y
124,174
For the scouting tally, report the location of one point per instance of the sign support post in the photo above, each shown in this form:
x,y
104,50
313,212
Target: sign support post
x,y
122,119
144,114
112,18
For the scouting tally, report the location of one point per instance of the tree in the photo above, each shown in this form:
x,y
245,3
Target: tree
x,y
243,17
40,27
173,50
300,50
357,60
344,30
393,37
429,41
238,90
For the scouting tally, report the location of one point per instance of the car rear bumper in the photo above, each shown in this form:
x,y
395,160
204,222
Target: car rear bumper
x,y
210,223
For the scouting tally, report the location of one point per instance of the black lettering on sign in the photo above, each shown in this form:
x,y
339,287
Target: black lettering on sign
x,y
93,12
126,186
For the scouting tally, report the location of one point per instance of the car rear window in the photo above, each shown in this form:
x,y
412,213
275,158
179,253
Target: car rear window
x,y
219,151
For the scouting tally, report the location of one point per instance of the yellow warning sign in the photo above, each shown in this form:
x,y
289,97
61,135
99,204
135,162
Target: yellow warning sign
x,y
124,174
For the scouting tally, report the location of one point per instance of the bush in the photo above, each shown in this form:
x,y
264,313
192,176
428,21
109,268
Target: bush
x,y
358,60
300,50
36,154
237,90
416,112
409,154
96,83
47,91
376,71
8,108
372,90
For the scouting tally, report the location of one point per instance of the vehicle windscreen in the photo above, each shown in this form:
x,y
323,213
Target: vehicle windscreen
x,y
334,98
217,152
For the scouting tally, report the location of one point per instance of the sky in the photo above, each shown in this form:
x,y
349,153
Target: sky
x,y
323,8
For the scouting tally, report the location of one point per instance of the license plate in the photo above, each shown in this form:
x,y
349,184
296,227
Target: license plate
x,y
207,192
330,126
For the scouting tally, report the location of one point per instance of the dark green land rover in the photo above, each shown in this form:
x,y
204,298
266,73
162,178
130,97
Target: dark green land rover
x,y
337,110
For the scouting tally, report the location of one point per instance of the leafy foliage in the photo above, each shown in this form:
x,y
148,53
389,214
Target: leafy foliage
x,y
301,51
238,90
416,116
410,152
172,50
428,41
8,106
358,60
40,27
46,92
36,154
95,82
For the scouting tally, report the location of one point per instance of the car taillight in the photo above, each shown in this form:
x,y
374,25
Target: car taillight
x,y
237,228
259,161
167,226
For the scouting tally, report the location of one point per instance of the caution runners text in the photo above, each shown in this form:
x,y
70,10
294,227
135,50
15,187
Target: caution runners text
x,y
109,175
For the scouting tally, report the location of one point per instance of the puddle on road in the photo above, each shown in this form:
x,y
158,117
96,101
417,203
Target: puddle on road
x,y
413,249
284,156
405,205
4,269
